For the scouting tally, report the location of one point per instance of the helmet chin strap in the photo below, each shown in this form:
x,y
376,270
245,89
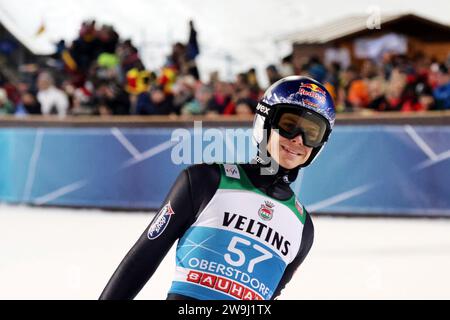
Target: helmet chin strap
x,y
265,161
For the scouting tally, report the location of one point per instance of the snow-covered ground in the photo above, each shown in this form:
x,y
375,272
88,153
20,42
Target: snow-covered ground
x,y
48,253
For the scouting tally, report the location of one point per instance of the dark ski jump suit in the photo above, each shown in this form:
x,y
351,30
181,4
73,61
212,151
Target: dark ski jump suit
x,y
241,235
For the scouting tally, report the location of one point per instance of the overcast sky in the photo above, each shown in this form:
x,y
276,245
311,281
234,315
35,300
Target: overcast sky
x,y
242,29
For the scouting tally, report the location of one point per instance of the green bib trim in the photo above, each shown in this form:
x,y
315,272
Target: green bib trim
x,y
244,183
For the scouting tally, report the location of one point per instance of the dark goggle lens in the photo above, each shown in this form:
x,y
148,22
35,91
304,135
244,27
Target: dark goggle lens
x,y
310,126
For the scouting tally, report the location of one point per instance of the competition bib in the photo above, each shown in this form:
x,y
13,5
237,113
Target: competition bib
x,y
240,244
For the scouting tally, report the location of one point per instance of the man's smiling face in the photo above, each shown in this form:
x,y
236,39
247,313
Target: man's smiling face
x,y
288,153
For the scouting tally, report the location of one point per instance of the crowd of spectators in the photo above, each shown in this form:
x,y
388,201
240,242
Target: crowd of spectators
x,y
101,74
397,83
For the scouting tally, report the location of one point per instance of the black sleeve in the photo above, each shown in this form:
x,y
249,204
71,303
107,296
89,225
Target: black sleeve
x,y
145,256
306,244
190,193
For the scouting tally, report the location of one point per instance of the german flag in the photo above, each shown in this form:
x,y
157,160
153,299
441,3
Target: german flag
x,y
68,60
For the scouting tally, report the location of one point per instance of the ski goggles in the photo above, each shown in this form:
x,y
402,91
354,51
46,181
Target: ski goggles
x,y
293,121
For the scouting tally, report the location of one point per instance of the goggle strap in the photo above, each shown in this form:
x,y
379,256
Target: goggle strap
x,y
263,109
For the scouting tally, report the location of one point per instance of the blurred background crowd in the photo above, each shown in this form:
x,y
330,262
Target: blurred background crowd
x,y
99,73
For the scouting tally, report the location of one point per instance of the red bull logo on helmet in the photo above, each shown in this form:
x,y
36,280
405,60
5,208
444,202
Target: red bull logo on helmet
x,y
314,91
310,103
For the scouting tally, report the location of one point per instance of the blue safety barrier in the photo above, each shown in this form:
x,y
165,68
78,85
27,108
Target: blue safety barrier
x,y
364,169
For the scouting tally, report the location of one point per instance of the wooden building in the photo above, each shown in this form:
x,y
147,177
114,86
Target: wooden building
x,y
420,35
